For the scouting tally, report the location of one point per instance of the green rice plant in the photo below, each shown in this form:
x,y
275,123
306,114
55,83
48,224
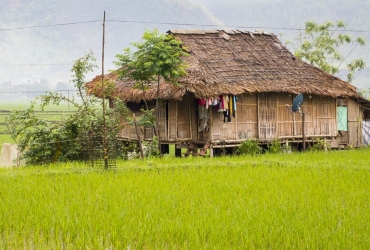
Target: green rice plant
x,y
250,146
313,200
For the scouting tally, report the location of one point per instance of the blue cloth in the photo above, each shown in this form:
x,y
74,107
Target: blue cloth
x,y
342,121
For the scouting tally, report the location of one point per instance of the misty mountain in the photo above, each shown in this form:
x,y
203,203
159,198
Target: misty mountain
x,y
43,37
23,49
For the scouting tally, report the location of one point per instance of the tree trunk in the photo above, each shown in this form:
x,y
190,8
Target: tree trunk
x,y
156,119
138,137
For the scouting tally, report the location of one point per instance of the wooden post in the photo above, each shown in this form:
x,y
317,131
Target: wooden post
x,y
303,133
105,146
138,137
294,125
210,125
177,151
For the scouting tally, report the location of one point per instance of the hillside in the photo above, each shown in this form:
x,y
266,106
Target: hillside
x,y
49,49
61,44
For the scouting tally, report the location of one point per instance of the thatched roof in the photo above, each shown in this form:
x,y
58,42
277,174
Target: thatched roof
x,y
235,62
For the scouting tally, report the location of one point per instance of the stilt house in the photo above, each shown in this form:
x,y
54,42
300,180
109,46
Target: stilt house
x,y
238,86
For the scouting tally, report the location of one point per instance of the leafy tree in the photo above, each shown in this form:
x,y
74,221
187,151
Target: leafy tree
x,y
44,142
320,46
157,56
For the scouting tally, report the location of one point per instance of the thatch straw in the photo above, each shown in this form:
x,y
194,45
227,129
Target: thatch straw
x,y
235,62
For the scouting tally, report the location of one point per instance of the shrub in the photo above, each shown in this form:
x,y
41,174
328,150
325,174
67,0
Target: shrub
x,y
43,142
274,146
319,145
250,147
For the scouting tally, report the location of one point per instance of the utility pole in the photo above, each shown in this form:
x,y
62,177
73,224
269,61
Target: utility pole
x,y
105,146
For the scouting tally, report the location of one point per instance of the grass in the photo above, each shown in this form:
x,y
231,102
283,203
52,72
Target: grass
x,y
292,201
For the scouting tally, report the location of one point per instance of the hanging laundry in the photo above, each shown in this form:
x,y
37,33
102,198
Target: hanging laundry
x,y
215,101
201,101
231,106
203,117
227,117
221,104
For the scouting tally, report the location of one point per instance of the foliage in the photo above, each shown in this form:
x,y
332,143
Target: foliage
x,y
150,148
157,56
308,200
147,119
274,146
249,147
130,151
319,145
320,46
44,142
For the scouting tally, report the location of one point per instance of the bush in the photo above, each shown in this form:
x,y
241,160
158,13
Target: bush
x,y
43,142
249,147
319,145
274,147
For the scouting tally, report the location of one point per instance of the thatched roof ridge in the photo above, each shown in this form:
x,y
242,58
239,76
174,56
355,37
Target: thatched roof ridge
x,y
235,62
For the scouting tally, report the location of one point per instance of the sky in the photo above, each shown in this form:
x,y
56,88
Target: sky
x,y
20,47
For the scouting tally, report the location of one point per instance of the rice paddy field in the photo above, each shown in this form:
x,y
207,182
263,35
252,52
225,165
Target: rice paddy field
x,y
51,113
284,201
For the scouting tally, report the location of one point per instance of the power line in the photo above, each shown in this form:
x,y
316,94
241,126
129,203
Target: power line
x,y
175,24
225,26
35,64
36,91
49,25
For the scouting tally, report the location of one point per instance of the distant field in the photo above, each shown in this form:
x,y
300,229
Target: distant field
x,y
53,113
292,201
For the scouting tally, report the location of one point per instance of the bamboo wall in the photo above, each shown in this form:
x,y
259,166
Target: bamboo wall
x,y
129,132
274,120
181,118
267,116
263,116
244,125
324,116
221,130
246,116
354,123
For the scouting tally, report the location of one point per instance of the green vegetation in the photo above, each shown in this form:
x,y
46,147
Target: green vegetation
x,y
42,141
320,46
311,200
51,113
250,147
157,56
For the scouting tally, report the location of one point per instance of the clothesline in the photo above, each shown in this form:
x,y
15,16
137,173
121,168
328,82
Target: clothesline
x,y
223,103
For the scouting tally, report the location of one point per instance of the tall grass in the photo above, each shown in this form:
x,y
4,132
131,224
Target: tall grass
x,y
295,201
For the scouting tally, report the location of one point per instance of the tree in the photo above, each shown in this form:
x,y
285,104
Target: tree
x,y
157,56
320,46
43,142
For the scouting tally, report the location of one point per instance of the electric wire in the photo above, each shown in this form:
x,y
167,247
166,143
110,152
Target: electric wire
x,y
172,23
49,25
